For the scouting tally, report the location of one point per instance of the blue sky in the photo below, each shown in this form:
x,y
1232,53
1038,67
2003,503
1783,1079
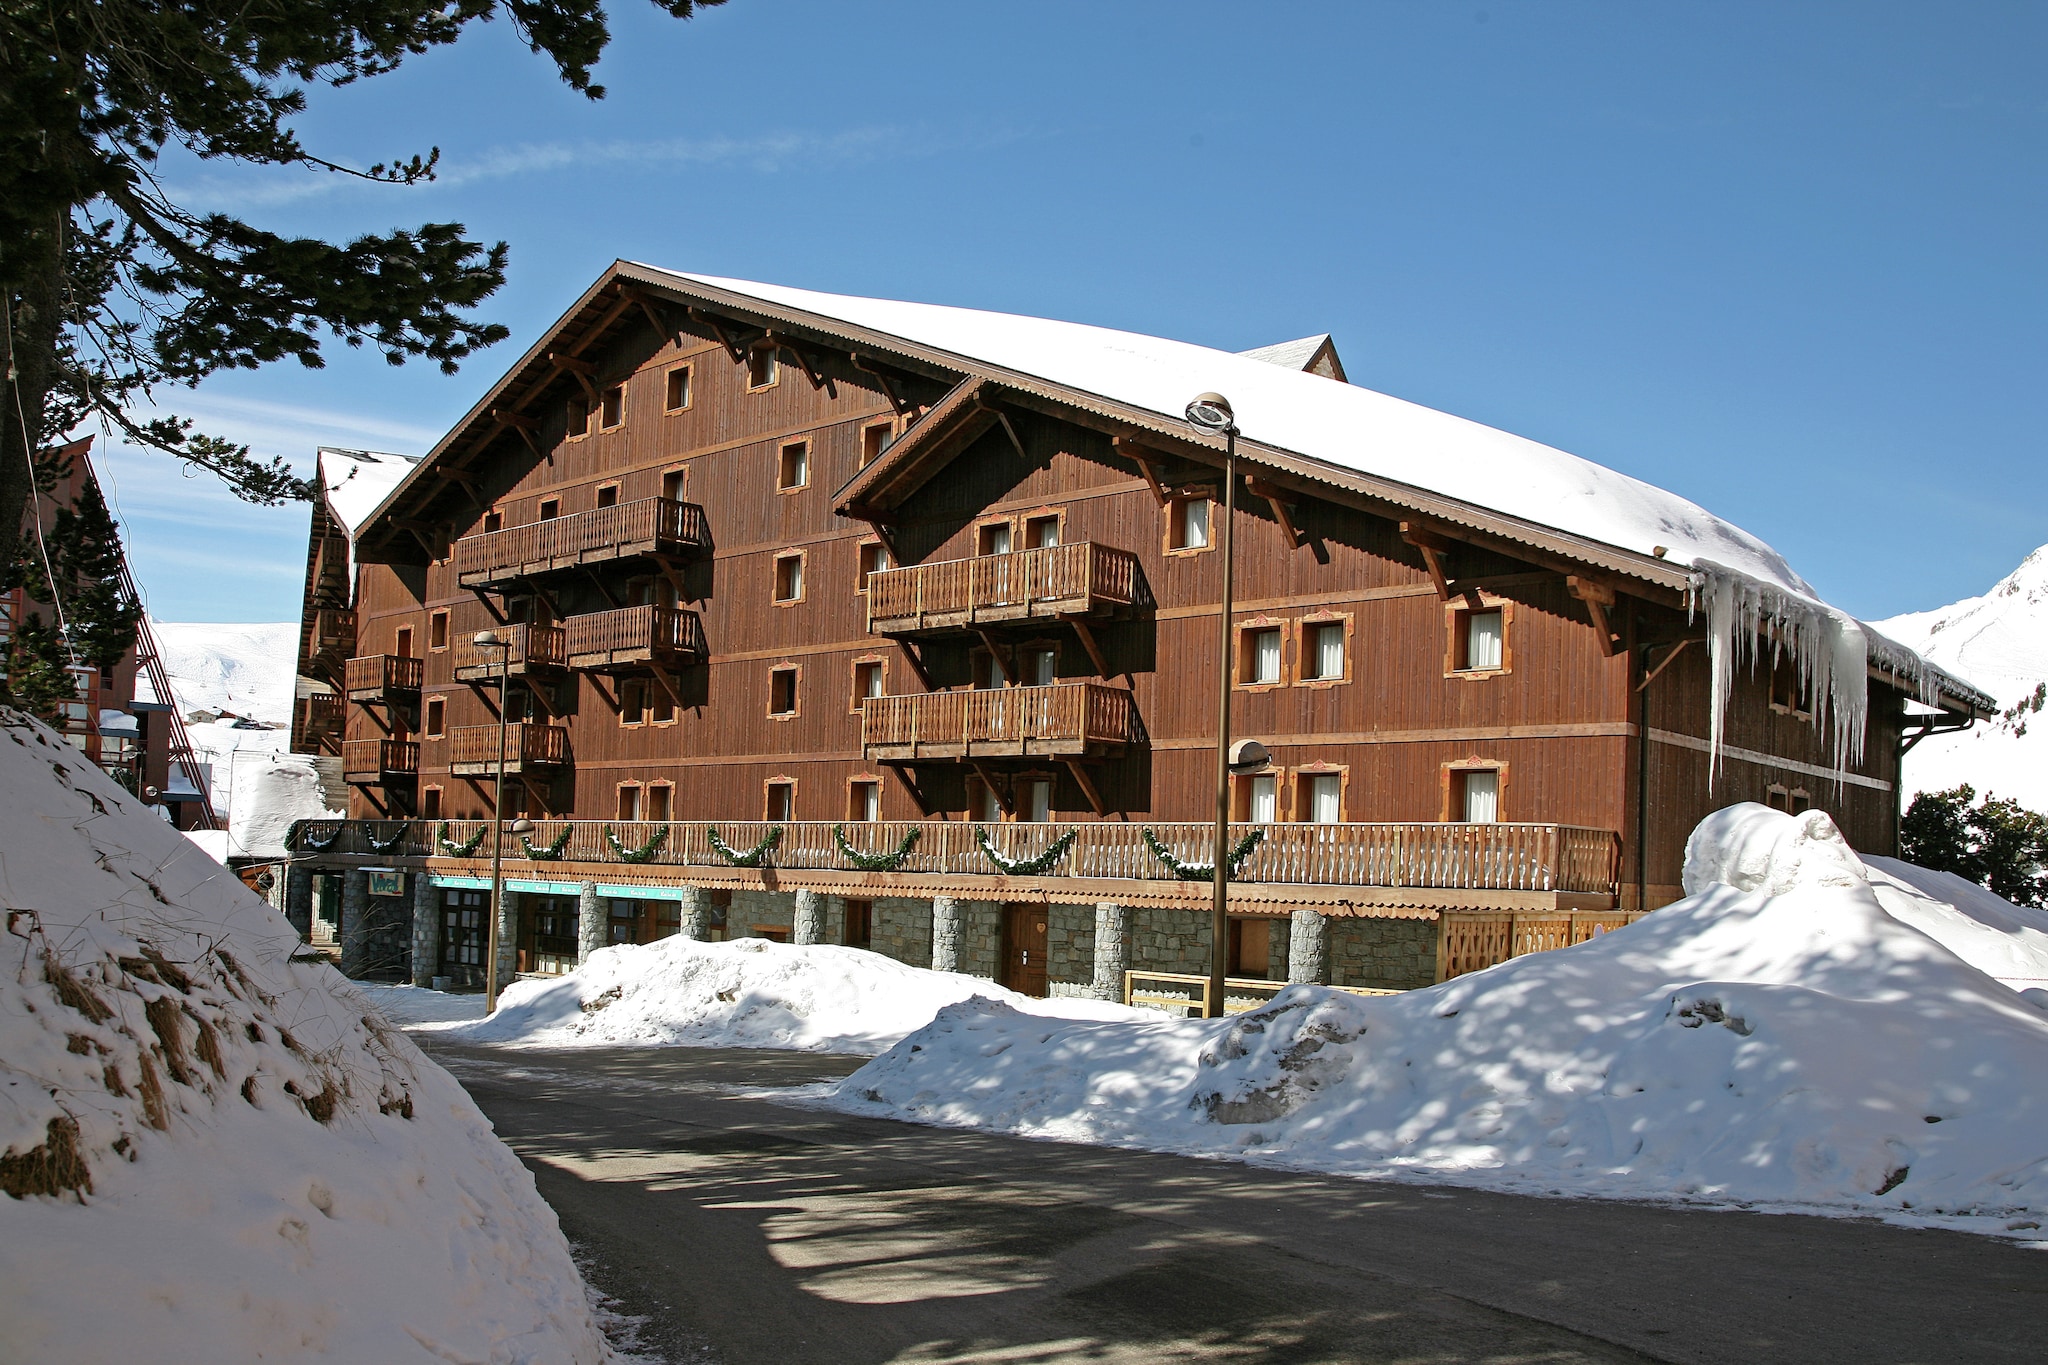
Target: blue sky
x,y
1785,260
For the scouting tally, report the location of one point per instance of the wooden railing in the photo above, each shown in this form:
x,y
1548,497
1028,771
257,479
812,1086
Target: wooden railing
x,y
534,649
627,635
369,761
334,625
648,526
1060,718
371,838
473,749
379,677
1472,941
1562,858
1188,994
319,717
1060,579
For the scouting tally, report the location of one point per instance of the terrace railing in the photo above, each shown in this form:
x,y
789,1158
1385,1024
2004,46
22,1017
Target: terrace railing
x,y
473,749
628,637
649,526
370,762
1058,580
534,649
1063,718
383,678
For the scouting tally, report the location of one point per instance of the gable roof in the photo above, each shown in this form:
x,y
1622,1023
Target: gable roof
x,y
1316,354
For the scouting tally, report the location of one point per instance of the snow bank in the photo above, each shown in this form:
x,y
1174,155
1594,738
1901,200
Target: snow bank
x,y
212,1151
748,992
1791,1034
272,792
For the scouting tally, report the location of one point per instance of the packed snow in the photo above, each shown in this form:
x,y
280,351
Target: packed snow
x,y
272,792
241,669
1802,1031
746,992
2000,642
213,1150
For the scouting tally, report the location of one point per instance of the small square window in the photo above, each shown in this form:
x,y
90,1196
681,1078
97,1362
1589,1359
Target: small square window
x,y
613,406
608,495
1479,796
1799,801
660,802
874,557
1482,641
430,803
661,707
764,367
993,539
1322,651
1041,533
1322,797
632,702
795,468
550,508
672,481
874,439
867,681
781,803
789,578
493,521
1188,524
629,803
1777,798
437,630
677,396
864,800
577,415
782,692
436,718
1258,658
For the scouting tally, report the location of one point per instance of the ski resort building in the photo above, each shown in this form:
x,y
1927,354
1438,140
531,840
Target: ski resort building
x,y
848,620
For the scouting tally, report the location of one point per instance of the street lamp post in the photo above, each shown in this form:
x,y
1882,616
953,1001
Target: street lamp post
x,y
1211,414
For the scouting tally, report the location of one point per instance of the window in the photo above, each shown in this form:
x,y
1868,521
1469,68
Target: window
x,y
864,799
661,707
1482,642
1799,801
993,539
436,717
774,933
789,578
1479,802
874,439
677,395
612,407
672,481
1034,800
608,495
860,924
1258,656
867,680
1777,798
764,367
986,671
781,799
1322,797
1322,651
1257,799
982,801
659,801
576,417
550,508
629,802
1037,667
1788,689
493,521
437,630
1041,533
782,691
1187,526
632,702
874,557
404,646
1251,948
517,704
430,803
795,469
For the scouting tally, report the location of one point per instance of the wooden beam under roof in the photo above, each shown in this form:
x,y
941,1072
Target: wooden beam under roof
x,y
1599,598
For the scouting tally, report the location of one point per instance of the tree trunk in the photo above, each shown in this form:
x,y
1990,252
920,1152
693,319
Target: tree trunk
x,y
31,290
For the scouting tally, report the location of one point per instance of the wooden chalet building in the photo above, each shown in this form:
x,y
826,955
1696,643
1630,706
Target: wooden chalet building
x,y
789,578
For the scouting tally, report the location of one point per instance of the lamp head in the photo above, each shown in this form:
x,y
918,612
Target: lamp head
x,y
487,639
1211,413
1248,756
522,826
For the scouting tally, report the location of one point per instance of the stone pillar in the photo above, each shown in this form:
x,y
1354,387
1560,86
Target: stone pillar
x,y
592,920
355,921
1112,950
298,898
696,916
810,918
426,929
949,921
1308,947
508,940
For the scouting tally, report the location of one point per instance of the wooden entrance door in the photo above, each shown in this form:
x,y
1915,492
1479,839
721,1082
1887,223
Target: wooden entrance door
x,y
1024,948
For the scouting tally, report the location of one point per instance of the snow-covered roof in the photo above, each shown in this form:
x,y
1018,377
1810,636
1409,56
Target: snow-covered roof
x,y
357,481
1290,355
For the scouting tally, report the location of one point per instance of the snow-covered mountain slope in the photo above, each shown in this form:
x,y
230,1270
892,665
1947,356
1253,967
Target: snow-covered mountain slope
x,y
1802,1031
246,669
211,1151
2000,642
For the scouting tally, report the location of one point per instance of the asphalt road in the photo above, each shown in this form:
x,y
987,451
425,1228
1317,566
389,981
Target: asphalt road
x,y
751,1231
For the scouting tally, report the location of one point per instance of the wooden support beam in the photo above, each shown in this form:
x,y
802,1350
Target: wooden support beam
x,y
1259,488
1004,797
916,665
673,574
803,361
896,400
656,314
585,372
519,421
725,338
1433,547
482,688
1598,597
1004,418
598,583
902,772
489,606
1089,643
425,534
668,685
995,652
1651,676
1144,458
1087,785
463,480
597,686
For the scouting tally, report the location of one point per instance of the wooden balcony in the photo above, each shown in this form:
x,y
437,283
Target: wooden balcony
x,y
384,679
1059,581
536,650
317,723
630,638
1064,719
379,762
529,748
651,527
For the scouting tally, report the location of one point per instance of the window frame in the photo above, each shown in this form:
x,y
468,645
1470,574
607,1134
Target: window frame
x,y
637,689
577,401
430,803
611,486
856,807
768,788
669,407
782,463
1175,502
1241,786
681,474
434,716
541,512
619,802
1305,629
668,802
438,626
856,697
1245,656
782,557
1452,780
887,426
1457,625
611,403
796,689
1303,791
985,526
1056,515
773,366
861,574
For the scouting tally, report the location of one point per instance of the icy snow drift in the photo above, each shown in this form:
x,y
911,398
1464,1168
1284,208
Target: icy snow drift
x,y
748,992
1791,1034
213,1152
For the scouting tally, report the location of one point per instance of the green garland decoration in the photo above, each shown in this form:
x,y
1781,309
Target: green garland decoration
x,y
451,849
753,856
299,835
552,851
643,854
1202,872
389,845
1027,867
875,862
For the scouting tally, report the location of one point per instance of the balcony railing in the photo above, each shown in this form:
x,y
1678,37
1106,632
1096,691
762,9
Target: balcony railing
x,y
384,678
318,722
473,749
373,762
1063,718
534,649
1060,580
1543,858
334,626
634,637
651,526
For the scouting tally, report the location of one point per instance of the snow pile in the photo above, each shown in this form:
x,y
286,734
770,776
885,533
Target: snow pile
x,y
272,792
748,992
2000,641
211,1151
1788,1035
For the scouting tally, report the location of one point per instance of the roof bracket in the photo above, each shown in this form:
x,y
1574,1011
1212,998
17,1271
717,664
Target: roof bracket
x,y
897,401
1599,597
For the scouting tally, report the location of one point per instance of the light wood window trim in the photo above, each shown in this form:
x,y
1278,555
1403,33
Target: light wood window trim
x,y
619,791
860,454
492,515
861,547
1801,687
782,449
1241,795
647,801
1783,803
982,524
427,715
1056,515
541,505
1241,655
430,802
768,784
1455,612
1451,809
1174,499
803,578
1301,792
570,432
775,353
642,685
1303,655
439,622
603,397
796,690
668,384
856,814
618,492
681,472
853,668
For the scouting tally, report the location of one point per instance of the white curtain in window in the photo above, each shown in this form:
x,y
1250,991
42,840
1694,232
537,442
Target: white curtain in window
x,y
1483,640
1265,806
870,800
991,808
1266,656
1482,797
1038,665
996,539
1194,523
1037,803
1324,792
1330,651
